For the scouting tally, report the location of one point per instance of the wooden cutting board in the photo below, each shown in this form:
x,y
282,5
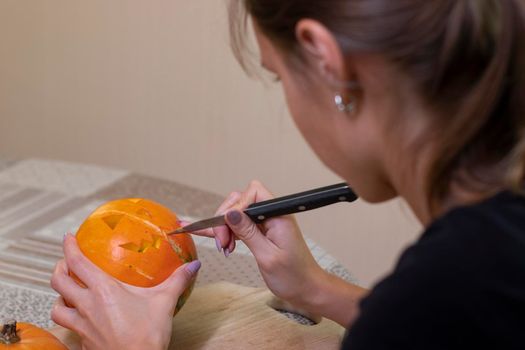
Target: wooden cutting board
x,y
229,316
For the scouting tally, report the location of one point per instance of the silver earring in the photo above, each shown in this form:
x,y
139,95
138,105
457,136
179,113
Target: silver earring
x,y
345,107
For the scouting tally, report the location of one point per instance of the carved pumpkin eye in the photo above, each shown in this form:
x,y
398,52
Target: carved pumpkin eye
x,y
112,220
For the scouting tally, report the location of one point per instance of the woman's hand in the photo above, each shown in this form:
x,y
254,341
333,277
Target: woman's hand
x,y
109,314
285,262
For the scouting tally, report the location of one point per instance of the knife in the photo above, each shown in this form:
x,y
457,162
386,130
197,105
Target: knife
x,y
291,204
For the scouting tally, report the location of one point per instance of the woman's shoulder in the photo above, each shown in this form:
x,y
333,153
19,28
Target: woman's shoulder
x,y
465,270
472,240
505,211
494,227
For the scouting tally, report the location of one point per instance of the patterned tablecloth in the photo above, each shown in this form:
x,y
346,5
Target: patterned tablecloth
x,y
40,200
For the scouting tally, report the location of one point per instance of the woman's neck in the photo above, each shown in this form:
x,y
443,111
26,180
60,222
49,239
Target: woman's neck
x,y
457,196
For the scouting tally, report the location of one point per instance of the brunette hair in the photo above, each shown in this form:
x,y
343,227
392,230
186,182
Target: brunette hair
x,y
466,58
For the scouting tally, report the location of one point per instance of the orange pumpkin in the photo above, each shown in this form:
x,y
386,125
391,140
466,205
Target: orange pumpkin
x,y
25,336
127,239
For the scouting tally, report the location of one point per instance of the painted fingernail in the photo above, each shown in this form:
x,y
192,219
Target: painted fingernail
x,y
234,217
218,244
194,266
227,252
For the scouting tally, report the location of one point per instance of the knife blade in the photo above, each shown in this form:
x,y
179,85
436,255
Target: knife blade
x,y
291,204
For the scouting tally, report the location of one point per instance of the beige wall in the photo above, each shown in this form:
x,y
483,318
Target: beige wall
x,y
151,86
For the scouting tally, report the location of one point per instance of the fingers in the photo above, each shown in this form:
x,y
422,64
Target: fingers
x,y
247,231
81,266
181,278
255,192
222,233
230,201
65,316
222,236
231,247
64,285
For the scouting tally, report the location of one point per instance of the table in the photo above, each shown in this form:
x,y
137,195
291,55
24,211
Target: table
x,y
40,200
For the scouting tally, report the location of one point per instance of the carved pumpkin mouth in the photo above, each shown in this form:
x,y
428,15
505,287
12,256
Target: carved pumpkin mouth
x,y
143,246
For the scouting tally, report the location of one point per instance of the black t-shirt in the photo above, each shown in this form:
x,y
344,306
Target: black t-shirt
x,y
461,286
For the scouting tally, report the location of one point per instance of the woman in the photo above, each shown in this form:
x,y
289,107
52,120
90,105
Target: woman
x,y
422,99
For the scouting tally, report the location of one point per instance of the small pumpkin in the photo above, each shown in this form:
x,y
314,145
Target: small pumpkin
x,y
127,239
25,336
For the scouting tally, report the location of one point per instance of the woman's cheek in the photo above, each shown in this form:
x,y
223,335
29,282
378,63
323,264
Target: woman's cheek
x,y
307,115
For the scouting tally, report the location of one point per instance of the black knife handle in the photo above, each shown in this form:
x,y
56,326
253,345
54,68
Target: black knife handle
x,y
300,202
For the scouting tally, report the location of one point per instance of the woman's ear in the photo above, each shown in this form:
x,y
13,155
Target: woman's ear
x,y
323,50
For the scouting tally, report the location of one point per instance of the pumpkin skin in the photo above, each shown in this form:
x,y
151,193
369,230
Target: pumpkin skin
x,y
31,338
127,239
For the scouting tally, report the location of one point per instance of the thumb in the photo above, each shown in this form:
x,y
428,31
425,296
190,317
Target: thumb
x,y
182,277
248,232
